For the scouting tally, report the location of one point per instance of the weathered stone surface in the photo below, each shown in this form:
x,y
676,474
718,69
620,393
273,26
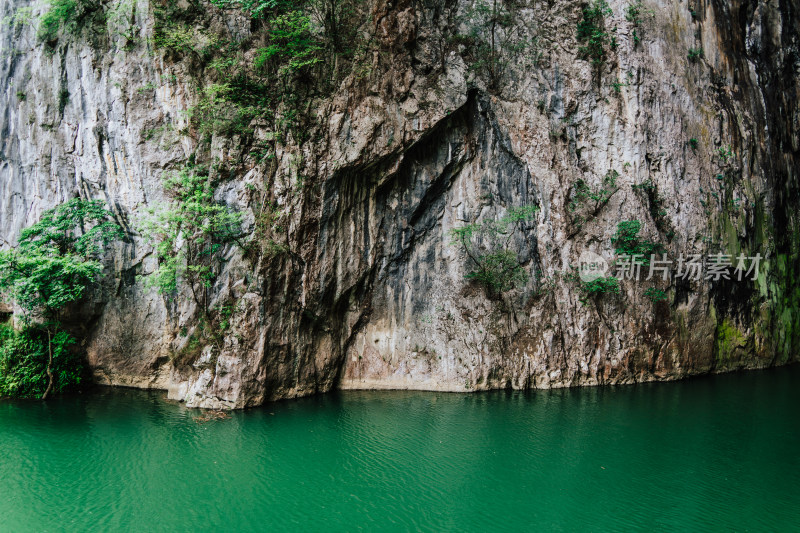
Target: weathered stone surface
x,y
373,293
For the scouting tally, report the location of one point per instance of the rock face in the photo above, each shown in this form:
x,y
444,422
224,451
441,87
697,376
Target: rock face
x,y
372,291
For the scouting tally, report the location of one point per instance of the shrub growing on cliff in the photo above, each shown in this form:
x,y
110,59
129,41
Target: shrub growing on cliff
x,y
301,52
600,286
62,13
587,201
485,22
293,47
190,234
635,14
68,16
20,17
627,242
655,295
219,112
497,267
53,264
591,31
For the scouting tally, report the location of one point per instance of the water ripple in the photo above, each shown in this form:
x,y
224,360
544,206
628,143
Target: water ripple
x,y
715,453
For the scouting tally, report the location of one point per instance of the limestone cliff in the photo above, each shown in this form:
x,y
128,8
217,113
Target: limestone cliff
x,y
694,107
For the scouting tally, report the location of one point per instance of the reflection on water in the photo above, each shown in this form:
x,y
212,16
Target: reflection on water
x,y
717,452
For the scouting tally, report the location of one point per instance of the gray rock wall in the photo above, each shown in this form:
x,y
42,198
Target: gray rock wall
x,y
372,293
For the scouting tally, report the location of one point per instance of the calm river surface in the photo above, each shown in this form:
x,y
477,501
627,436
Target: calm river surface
x,y
720,452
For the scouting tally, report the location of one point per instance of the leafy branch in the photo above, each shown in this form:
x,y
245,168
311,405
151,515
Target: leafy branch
x,y
53,264
592,32
190,234
586,201
487,243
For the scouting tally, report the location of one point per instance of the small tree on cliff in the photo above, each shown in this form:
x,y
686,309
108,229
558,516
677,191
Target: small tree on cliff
x,y
190,234
53,263
490,30
487,245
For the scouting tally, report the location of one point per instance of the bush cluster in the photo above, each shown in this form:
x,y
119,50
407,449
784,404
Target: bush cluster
x,y
592,32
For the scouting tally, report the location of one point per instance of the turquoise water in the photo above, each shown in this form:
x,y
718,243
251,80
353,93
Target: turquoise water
x,y
712,453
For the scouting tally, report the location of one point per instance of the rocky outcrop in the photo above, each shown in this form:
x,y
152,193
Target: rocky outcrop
x,y
424,139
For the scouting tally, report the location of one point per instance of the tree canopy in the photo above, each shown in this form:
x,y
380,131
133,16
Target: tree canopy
x,y
54,262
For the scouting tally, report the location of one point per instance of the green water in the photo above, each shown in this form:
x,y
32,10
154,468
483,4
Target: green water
x,y
711,453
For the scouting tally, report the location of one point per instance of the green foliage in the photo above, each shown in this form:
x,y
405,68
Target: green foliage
x,y
210,328
634,14
600,286
627,241
655,295
486,21
67,16
693,143
62,13
177,38
487,245
20,17
300,50
218,111
695,54
587,201
183,39
179,31
42,284
120,18
190,234
79,227
726,155
499,270
591,31
6,331
24,357
264,90
267,226
256,9
55,261
225,313
594,196
293,47
617,86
